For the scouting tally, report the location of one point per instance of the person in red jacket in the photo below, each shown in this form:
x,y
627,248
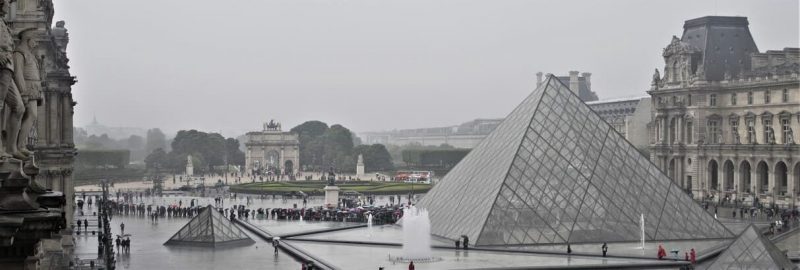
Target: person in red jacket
x,y
693,256
411,265
661,252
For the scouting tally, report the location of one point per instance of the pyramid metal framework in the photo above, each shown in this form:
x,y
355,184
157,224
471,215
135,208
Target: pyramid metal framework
x,y
555,172
210,228
751,250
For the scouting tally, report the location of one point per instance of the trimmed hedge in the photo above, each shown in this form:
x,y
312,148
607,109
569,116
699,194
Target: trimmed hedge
x,y
93,176
102,159
316,187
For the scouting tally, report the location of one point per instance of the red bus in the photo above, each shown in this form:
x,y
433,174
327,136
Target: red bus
x,y
413,176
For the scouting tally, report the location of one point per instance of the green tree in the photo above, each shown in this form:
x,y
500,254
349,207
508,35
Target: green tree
x,y
207,147
376,157
156,159
155,139
234,154
310,148
337,145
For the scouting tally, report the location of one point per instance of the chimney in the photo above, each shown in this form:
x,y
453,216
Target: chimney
x,y
587,77
574,85
538,79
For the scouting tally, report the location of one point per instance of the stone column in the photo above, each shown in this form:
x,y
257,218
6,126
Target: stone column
x,y
679,129
737,182
53,119
574,84
790,184
772,188
680,167
721,179
754,181
67,114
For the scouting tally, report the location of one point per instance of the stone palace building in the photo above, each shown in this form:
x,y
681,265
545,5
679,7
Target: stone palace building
x,y
725,114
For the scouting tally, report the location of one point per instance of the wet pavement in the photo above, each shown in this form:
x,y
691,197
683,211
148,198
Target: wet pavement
x,y
148,252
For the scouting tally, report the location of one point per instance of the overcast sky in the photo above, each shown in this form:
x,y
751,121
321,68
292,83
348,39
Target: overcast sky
x,y
370,65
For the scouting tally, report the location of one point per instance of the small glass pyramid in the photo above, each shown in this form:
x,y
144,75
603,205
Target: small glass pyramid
x,y
210,228
751,250
555,172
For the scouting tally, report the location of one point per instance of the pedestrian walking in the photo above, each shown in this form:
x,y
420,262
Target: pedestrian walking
x,y
122,228
85,224
693,256
605,249
411,265
79,224
661,252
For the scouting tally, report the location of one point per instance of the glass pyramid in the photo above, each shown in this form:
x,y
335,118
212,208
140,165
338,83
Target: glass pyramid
x,y
554,172
751,250
210,228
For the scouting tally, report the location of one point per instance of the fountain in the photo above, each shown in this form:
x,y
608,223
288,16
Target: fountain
x,y
642,222
416,236
369,225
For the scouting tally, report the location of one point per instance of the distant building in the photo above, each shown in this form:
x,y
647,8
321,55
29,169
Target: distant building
x,y
628,116
581,84
117,133
465,135
725,113
272,150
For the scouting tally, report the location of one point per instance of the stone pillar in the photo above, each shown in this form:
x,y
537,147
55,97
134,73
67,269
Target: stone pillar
x,y
790,184
574,84
538,79
587,77
53,118
331,196
772,187
737,183
721,179
67,114
680,171
754,180
282,161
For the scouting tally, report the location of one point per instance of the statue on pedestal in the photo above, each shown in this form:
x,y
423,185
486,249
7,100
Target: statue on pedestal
x,y
656,80
30,85
331,177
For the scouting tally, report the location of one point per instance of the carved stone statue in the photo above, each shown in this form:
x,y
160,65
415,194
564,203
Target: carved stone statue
x,y
272,125
61,35
789,136
656,80
30,86
736,138
770,135
331,177
8,88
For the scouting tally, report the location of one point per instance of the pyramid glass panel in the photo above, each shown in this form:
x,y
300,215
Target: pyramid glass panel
x,y
209,228
555,172
751,250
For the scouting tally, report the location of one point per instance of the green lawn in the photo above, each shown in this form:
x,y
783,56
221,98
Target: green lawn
x,y
316,187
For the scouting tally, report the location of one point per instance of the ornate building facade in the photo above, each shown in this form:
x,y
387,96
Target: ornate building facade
x,y
725,114
36,202
272,150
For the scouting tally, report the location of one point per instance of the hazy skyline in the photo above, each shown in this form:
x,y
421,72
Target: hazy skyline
x,y
368,65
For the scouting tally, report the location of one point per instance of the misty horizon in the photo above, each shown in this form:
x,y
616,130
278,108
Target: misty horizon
x,y
229,67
